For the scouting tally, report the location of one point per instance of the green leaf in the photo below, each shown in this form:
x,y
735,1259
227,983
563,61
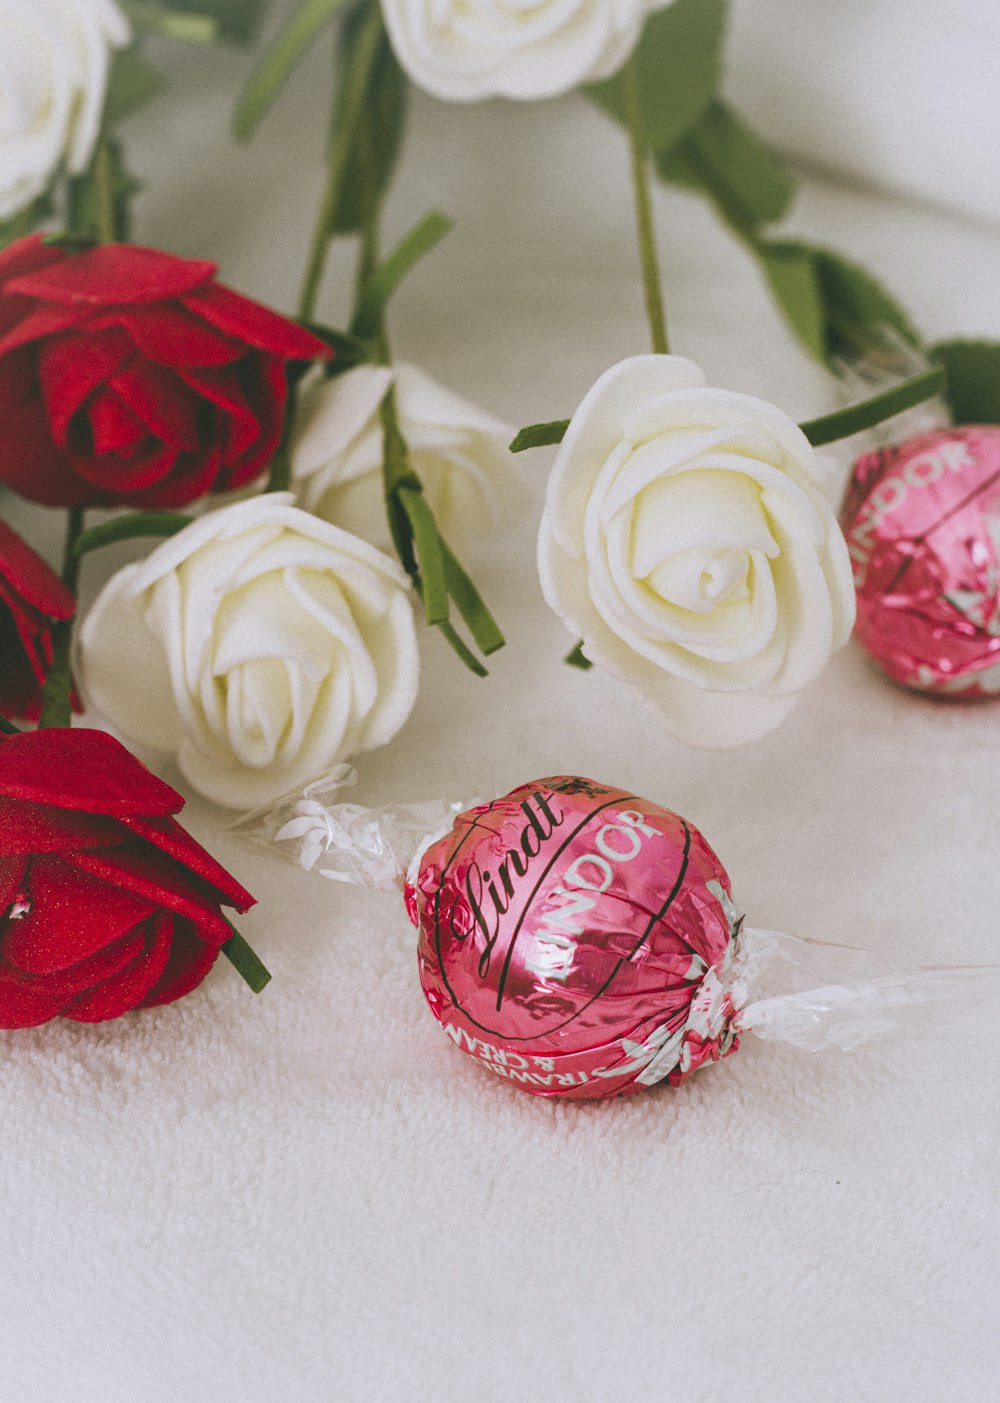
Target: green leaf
x,y
131,84
275,67
129,528
8,728
679,59
245,960
837,309
539,435
462,650
391,272
791,274
478,619
430,556
858,308
844,423
173,24
575,658
722,158
376,140
973,379
236,20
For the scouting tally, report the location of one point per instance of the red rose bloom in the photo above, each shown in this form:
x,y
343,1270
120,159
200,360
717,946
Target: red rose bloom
x,y
32,597
129,376
106,903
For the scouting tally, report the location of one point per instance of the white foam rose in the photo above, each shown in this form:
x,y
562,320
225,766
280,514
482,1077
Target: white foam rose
x,y
464,50
54,59
686,540
458,451
260,645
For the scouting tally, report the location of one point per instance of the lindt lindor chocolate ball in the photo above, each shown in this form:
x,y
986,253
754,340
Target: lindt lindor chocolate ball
x,y
576,939
922,521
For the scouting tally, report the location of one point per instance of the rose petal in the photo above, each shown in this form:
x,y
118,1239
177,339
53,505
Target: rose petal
x,y
333,414
168,835
113,426
113,275
38,828
39,323
157,397
189,961
254,324
264,381
152,875
597,429
72,916
170,335
27,1003
114,996
34,580
71,368
27,256
238,426
81,769
30,463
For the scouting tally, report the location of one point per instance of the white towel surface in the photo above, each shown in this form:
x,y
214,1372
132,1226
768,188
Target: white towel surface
x,y
312,1197
901,94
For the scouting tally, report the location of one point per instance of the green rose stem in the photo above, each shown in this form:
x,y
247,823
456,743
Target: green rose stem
x,y
651,282
437,575
104,189
829,428
56,706
435,571
346,120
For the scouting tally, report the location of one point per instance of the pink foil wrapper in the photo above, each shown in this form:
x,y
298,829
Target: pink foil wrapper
x,y
922,521
575,940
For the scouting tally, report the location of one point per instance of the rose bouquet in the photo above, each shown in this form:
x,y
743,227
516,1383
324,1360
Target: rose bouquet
x,y
686,539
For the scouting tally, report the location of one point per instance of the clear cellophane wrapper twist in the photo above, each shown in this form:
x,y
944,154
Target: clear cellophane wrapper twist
x,y
582,942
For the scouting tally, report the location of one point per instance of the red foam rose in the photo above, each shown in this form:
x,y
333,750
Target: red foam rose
x,y
106,902
131,377
32,598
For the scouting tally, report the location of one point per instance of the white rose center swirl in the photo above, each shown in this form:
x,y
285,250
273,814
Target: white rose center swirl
x,y
686,539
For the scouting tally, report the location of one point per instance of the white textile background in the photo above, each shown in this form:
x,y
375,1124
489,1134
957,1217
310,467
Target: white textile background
x,y
896,93
311,1196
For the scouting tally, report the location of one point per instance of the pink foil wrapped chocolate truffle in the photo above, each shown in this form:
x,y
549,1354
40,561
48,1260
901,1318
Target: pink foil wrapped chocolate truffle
x,y
575,940
922,521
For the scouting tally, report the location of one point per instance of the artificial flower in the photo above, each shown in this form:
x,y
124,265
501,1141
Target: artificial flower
x,y
260,644
106,902
497,48
457,450
130,376
32,598
54,61
686,540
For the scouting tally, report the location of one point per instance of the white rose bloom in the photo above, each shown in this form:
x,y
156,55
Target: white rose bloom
x,y
464,50
685,539
54,59
259,644
459,453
